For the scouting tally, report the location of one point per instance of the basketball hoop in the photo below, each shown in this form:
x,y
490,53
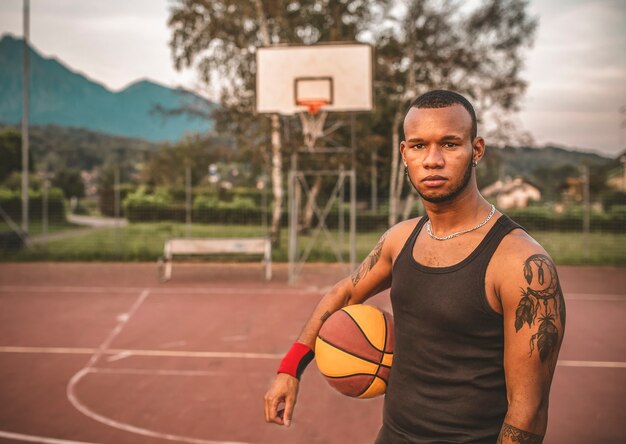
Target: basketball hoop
x,y
312,120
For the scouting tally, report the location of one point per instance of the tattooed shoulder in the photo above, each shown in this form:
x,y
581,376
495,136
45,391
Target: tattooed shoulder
x,y
369,262
541,301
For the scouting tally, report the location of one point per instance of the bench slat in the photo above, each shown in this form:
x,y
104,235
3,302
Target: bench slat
x,y
204,246
212,246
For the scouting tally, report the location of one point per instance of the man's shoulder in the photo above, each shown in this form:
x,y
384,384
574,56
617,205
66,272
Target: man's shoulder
x,y
397,235
402,230
516,247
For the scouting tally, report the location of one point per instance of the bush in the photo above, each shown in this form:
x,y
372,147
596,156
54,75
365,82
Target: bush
x,y
107,199
138,205
11,203
545,219
612,198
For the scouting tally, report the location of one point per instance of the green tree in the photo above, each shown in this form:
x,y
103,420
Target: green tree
x,y
11,153
437,44
70,181
219,38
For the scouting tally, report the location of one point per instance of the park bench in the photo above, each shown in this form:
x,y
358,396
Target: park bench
x,y
260,246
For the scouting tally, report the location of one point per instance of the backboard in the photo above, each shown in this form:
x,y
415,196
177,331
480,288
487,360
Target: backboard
x,y
291,77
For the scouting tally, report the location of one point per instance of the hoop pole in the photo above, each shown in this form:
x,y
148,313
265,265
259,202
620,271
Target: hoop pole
x,y
353,193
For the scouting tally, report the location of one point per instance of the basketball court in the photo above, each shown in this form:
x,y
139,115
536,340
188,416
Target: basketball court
x,y
105,353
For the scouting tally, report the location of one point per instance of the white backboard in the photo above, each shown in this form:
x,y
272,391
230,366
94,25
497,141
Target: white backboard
x,y
340,73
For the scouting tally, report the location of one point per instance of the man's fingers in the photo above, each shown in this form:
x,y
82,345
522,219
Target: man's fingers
x,y
272,414
266,408
288,413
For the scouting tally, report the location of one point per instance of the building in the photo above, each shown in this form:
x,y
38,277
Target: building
x,y
512,193
616,178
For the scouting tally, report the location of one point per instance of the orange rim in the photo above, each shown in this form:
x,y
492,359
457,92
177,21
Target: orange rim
x,y
314,105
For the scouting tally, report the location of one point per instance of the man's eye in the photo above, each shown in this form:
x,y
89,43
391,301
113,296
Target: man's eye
x,y
418,146
450,145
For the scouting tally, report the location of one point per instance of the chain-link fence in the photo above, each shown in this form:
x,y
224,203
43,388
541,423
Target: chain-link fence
x,y
122,219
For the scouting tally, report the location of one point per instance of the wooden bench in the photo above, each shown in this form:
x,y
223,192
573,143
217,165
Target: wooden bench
x,y
204,247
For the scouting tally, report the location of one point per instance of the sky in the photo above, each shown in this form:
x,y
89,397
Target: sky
x,y
576,69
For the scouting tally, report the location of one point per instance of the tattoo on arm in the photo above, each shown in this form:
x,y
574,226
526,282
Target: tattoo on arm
x,y
369,262
517,435
542,299
325,316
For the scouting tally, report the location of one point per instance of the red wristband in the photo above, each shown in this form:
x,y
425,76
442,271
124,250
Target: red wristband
x,y
296,360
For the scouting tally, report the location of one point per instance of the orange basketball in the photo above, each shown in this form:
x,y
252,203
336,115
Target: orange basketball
x,y
354,350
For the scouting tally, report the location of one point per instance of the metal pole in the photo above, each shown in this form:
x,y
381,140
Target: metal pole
x,y
353,193
374,182
116,206
264,209
187,200
25,117
293,219
341,227
586,211
44,209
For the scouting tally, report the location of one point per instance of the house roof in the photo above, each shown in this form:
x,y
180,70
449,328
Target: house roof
x,y
507,186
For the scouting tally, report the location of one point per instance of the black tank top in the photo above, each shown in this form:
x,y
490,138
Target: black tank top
x,y
447,379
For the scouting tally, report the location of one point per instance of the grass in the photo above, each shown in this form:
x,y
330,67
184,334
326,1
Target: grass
x,y
144,242
36,227
569,248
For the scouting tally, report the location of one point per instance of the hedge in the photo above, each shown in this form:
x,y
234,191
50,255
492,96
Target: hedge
x,y
11,203
544,219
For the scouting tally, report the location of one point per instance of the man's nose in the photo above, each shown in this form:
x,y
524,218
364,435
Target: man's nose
x,y
433,158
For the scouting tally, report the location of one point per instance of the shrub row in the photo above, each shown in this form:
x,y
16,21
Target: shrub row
x,y
240,216
11,203
542,219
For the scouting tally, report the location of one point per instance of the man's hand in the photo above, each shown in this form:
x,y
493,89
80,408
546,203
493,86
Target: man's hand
x,y
284,390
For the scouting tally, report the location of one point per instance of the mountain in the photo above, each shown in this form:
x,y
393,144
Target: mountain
x,y
525,161
60,96
55,147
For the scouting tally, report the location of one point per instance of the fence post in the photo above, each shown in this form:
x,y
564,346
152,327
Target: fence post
x,y
586,211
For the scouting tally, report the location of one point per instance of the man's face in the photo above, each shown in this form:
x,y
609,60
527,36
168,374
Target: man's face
x,y
438,151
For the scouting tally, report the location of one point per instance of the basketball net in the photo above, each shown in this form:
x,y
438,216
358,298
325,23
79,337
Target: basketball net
x,y
312,121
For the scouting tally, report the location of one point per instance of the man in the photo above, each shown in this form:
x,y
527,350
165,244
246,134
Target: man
x,y
479,313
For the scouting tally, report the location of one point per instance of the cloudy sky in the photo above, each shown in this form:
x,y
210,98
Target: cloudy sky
x,y
576,69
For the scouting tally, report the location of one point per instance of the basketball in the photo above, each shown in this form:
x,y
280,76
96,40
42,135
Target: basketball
x,y
354,350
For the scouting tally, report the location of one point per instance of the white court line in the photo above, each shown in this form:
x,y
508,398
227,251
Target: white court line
x,y
122,320
594,297
244,291
157,290
42,439
593,364
227,355
153,353
148,372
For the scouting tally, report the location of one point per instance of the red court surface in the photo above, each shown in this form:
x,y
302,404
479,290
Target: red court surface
x,y
105,353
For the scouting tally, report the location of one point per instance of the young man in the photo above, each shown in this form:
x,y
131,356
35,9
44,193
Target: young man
x,y
478,309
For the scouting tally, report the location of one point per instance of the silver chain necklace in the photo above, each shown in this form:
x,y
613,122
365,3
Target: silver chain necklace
x,y
429,229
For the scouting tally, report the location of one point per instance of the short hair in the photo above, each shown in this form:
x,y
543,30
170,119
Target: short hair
x,y
441,98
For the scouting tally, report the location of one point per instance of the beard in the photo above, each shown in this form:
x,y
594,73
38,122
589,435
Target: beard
x,y
453,193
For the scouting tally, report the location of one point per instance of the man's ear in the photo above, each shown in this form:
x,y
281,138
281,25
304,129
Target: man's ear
x,y
478,149
402,148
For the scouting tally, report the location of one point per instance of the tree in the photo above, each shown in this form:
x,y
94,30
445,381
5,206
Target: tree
x,y
70,181
437,44
166,166
11,153
219,38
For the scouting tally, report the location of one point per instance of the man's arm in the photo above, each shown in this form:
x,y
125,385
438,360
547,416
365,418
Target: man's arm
x,y
534,323
372,276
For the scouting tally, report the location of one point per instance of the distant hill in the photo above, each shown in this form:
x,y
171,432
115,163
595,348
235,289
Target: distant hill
x,y
524,161
57,147
60,96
